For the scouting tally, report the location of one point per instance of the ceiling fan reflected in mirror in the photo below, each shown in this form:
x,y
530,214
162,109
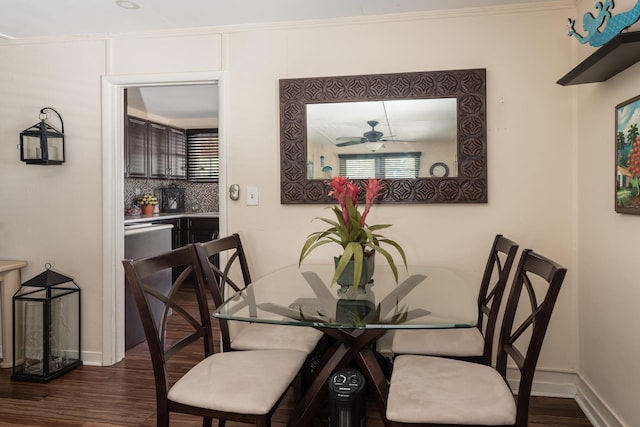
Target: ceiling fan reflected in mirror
x,y
370,136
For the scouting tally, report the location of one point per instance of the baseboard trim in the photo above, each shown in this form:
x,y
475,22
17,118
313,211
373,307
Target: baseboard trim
x,y
570,384
92,358
596,410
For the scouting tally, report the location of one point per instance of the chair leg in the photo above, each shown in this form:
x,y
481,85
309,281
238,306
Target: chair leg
x,y
207,422
163,419
298,387
221,423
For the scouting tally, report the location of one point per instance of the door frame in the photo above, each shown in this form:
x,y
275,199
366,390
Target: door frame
x,y
113,348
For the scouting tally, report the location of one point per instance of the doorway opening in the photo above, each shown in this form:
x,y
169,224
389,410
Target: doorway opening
x,y
113,185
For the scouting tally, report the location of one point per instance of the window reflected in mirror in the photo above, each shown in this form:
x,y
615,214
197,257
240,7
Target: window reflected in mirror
x,y
381,139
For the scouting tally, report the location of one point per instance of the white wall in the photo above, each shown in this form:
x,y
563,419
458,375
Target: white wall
x,y
608,260
536,140
54,213
529,140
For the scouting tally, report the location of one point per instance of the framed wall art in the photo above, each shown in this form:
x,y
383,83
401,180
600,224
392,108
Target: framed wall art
x,y
627,170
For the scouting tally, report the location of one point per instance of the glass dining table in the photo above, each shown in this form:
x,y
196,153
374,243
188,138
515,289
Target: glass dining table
x,y
422,298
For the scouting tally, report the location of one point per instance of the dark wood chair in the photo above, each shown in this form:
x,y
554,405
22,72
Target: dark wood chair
x,y
428,390
220,280
472,344
240,386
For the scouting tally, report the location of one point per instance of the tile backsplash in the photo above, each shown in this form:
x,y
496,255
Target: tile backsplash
x,y
198,196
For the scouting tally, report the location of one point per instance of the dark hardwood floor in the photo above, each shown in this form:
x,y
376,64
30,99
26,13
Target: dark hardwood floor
x,y
123,395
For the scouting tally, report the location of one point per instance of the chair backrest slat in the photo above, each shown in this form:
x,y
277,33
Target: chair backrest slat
x,y
494,280
218,278
138,275
534,271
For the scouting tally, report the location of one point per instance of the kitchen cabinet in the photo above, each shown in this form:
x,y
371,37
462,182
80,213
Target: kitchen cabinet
x,y
178,238
154,150
177,153
158,150
136,146
187,228
201,229
190,230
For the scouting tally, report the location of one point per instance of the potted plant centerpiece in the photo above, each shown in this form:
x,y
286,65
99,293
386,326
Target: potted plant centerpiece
x,y
359,240
147,204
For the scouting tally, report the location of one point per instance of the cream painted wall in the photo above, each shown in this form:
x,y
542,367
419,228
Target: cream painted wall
x,y
531,153
174,53
53,213
607,267
529,141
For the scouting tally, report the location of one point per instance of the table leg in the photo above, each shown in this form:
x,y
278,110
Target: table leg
x,y
376,381
354,346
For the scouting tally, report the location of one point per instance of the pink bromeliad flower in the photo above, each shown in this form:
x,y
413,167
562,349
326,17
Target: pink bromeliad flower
x,y
374,187
357,238
343,190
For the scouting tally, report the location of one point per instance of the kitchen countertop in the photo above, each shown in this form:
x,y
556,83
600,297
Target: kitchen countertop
x,y
136,219
142,227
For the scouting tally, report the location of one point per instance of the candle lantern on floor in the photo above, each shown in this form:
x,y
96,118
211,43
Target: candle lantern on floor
x,y
46,327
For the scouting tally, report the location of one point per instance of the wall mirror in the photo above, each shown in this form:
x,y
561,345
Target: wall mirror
x,y
424,133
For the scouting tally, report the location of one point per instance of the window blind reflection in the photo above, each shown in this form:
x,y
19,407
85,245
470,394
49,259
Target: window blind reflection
x,y
380,165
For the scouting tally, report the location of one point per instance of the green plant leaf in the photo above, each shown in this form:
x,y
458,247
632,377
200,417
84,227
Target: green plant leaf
x,y
353,237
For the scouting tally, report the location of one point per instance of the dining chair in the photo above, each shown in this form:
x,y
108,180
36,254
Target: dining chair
x,y
240,386
222,283
471,344
431,390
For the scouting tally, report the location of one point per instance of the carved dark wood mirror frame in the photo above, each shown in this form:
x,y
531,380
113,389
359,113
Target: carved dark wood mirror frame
x,y
467,86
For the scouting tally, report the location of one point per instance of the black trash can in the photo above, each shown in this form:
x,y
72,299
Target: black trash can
x,y
347,399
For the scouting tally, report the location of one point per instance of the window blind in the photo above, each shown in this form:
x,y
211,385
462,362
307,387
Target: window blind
x,y
380,165
203,155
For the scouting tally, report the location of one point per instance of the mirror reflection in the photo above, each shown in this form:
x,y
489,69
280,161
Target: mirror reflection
x,y
353,117
407,138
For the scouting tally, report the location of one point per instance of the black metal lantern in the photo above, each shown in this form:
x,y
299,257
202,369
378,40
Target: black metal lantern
x,y
43,144
172,199
46,327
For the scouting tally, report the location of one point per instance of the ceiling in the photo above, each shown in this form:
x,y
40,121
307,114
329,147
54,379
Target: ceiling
x,y
22,19
176,103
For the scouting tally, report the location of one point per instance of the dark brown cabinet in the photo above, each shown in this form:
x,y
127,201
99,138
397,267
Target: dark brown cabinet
x,y
154,150
177,153
190,229
201,229
136,146
158,150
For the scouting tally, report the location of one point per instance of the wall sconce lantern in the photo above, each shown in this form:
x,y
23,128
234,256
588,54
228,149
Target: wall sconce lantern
x,y
43,144
46,327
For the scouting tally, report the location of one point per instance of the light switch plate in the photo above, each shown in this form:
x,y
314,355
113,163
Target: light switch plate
x,y
252,196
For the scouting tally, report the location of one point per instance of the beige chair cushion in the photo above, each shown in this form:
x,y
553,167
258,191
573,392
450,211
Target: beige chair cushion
x,y
261,336
429,389
245,382
439,342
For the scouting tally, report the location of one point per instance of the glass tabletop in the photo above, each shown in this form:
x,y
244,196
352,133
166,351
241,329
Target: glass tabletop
x,y
424,297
